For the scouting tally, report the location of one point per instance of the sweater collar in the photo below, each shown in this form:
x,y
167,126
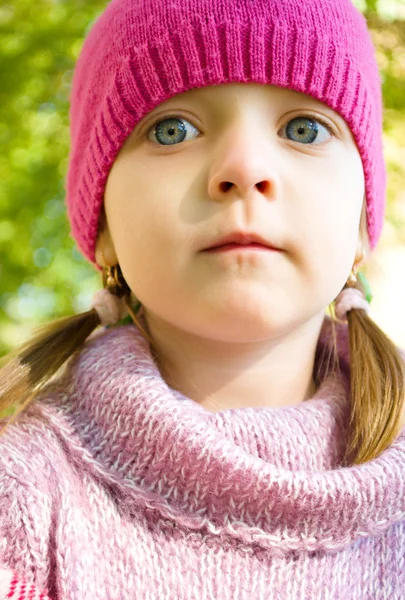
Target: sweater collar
x,y
266,476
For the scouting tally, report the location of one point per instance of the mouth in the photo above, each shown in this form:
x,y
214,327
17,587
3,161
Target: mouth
x,y
241,241
233,247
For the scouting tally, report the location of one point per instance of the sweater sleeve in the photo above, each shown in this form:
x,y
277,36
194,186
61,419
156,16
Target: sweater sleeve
x,y
25,515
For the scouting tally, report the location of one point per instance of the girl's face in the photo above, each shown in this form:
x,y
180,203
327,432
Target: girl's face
x,y
235,157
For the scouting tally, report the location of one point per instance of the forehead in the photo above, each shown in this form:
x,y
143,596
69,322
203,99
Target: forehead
x,y
228,94
253,89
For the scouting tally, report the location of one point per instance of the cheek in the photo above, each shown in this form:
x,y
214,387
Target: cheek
x,y
329,252
327,229
143,226
139,209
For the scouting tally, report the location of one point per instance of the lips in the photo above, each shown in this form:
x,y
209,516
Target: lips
x,y
239,247
240,239
252,245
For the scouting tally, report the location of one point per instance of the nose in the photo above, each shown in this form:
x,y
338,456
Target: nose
x,y
242,166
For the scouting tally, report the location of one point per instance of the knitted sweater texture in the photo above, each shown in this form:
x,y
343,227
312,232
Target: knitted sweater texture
x,y
114,486
14,587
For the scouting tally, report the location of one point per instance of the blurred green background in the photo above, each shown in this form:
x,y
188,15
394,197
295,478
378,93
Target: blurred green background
x,y
42,274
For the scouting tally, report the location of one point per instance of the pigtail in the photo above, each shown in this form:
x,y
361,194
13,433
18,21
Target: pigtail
x,y
25,371
327,355
377,376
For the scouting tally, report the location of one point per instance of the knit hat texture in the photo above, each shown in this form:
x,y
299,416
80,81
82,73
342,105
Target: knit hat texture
x,y
140,53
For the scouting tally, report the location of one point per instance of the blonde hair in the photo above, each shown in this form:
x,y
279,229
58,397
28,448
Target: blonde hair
x,y
377,373
377,377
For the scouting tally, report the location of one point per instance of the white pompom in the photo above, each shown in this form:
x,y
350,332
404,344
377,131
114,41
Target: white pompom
x,y
349,299
110,309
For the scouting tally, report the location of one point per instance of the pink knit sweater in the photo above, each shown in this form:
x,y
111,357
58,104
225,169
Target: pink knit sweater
x,y
15,587
115,487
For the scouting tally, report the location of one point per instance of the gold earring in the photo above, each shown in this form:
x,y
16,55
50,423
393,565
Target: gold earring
x,y
359,280
352,280
114,281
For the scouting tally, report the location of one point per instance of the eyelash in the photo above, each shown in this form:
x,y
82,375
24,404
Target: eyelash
x,y
313,117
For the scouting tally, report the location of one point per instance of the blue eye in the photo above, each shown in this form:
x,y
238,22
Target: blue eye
x,y
307,129
172,130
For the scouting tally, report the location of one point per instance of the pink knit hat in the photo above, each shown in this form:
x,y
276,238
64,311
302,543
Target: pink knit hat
x,y
142,52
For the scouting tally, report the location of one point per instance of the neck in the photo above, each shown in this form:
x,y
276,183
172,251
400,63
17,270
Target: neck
x,y
218,375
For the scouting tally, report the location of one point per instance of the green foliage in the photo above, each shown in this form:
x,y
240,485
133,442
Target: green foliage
x,y
42,274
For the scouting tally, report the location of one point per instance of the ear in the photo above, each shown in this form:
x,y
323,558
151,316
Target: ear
x,y
105,250
363,243
360,251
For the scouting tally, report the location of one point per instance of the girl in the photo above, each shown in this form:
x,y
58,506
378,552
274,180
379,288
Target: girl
x,y
221,437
